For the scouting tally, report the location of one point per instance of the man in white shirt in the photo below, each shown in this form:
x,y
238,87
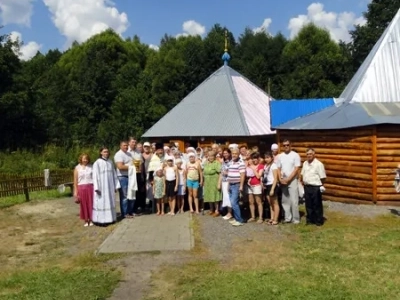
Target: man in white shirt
x,y
313,176
288,169
122,161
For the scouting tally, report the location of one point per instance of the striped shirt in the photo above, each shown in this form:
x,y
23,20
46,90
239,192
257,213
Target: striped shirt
x,y
235,169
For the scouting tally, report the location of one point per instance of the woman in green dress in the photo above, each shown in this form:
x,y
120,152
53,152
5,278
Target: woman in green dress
x,y
211,194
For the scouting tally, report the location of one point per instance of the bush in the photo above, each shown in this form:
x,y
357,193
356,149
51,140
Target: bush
x,y
51,157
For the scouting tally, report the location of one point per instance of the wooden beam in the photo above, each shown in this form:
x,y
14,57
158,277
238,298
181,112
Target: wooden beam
x,y
278,137
374,166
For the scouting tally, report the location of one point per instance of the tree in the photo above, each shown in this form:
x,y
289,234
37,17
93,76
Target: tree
x,y
258,57
313,64
378,15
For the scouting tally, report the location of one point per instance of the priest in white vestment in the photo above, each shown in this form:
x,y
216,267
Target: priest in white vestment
x,y
105,185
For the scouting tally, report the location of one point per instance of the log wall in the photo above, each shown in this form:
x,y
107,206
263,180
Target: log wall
x,y
388,157
348,159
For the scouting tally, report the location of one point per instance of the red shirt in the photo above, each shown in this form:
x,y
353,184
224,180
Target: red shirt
x,y
254,180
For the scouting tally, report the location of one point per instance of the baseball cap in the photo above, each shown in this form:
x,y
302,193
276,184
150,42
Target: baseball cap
x,y
274,147
146,144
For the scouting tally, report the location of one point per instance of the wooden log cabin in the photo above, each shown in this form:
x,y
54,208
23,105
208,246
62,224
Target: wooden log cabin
x,y
358,139
360,162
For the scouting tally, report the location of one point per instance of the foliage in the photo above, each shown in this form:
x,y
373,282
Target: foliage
x,y
315,64
49,157
108,88
378,16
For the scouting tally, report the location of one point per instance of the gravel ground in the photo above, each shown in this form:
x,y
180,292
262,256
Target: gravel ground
x,y
218,235
360,210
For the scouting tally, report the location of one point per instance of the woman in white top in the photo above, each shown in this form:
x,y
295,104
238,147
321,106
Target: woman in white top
x,y
270,182
83,188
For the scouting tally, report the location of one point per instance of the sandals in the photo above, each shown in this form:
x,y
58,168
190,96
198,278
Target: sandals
x,y
251,220
260,221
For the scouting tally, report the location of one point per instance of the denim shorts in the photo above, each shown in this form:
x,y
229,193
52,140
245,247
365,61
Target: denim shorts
x,y
192,184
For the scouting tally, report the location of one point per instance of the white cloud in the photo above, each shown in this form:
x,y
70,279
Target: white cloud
x,y
338,24
191,27
25,51
154,47
78,20
16,12
264,26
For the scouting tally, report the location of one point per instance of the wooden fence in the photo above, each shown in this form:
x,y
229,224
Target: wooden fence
x,y
16,184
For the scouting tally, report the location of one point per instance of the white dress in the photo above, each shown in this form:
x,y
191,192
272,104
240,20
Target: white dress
x,y
106,181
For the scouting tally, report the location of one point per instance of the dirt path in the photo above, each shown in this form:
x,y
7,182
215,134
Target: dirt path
x,y
38,232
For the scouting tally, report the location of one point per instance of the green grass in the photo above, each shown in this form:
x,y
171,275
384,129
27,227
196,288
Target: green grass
x,y
33,196
348,258
57,283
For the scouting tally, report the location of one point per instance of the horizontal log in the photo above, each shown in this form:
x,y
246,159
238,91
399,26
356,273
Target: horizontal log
x,y
387,190
388,146
339,161
360,170
349,175
388,140
385,177
351,195
345,200
349,182
382,171
391,197
333,145
352,158
388,165
344,132
354,189
385,183
334,151
333,138
388,158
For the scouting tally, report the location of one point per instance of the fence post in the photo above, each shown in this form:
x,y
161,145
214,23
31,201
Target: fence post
x,y
26,191
47,181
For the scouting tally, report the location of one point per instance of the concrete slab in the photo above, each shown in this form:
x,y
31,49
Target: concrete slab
x,y
150,233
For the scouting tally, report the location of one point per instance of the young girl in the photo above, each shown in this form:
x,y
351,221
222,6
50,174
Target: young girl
x,y
270,184
171,184
181,185
194,179
159,190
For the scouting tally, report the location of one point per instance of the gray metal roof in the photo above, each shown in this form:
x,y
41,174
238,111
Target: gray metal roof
x,y
378,78
212,109
347,115
372,96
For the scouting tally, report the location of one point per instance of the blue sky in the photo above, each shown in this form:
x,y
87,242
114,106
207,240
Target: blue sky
x,y
47,24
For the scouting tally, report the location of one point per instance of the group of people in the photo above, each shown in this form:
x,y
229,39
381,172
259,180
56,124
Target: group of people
x,y
220,176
